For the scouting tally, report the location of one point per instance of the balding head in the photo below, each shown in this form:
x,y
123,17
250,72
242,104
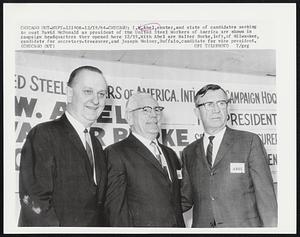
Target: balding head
x,y
76,71
136,100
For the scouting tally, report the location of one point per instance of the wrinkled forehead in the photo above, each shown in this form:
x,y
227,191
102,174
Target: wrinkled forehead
x,y
90,78
146,101
212,96
142,100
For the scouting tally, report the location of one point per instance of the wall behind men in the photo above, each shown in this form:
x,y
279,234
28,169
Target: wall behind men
x,y
40,82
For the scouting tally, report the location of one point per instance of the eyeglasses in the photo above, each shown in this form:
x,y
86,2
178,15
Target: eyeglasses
x,y
148,109
211,105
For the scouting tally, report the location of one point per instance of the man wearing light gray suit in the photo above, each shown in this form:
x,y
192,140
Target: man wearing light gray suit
x,y
226,177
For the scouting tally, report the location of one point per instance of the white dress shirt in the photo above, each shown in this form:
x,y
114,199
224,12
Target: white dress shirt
x,y
147,144
79,128
216,143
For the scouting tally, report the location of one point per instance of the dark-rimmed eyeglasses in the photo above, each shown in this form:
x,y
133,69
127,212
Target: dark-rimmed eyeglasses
x,y
148,109
211,105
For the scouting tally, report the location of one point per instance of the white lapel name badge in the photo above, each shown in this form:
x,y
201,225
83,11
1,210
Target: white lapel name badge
x,y
237,167
179,174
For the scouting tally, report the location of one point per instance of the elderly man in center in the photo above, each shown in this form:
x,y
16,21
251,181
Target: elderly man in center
x,y
143,187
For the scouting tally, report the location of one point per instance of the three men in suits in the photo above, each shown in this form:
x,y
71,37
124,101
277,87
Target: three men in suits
x,y
226,177
143,187
63,171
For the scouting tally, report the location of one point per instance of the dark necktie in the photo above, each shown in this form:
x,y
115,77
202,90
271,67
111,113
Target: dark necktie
x,y
88,144
209,150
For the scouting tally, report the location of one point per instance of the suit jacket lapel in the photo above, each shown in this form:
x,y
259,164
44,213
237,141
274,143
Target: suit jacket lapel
x,y
170,164
227,141
144,152
98,157
72,135
201,153
75,140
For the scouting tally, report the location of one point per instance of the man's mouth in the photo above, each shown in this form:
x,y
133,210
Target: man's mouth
x,y
92,107
154,122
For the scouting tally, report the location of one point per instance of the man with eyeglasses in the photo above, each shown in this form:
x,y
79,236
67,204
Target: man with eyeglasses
x,y
63,171
226,176
143,188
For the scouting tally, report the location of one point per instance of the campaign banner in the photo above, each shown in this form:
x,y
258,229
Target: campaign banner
x,y
41,96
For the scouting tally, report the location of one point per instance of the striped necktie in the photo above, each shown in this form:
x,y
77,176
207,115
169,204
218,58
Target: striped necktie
x,y
158,156
209,150
88,144
156,152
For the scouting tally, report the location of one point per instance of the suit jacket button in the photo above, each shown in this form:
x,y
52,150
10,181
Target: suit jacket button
x,y
212,198
212,173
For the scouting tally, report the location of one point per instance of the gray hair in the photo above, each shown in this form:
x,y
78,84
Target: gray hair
x,y
133,101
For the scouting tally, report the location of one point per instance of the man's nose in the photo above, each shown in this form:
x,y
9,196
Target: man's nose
x,y
95,99
216,108
153,113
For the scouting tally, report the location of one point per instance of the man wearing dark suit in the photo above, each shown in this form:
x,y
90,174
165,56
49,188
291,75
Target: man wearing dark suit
x,y
63,171
143,187
226,177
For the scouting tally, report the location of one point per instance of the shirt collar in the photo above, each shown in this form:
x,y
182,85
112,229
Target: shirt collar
x,y
217,135
75,123
145,141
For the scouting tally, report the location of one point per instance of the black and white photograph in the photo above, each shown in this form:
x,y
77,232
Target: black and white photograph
x,y
153,127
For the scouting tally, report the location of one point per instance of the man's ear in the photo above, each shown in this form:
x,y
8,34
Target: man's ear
x,y
69,94
197,113
227,108
129,118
